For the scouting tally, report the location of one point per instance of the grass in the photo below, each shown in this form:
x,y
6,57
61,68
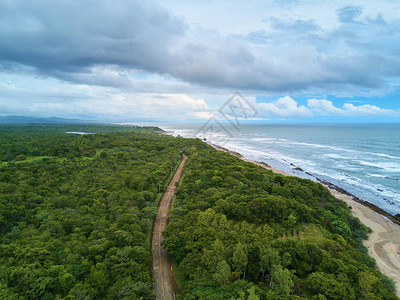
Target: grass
x,y
178,276
311,232
27,160
33,159
308,232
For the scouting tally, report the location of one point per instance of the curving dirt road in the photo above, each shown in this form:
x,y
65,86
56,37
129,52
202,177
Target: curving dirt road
x,y
162,269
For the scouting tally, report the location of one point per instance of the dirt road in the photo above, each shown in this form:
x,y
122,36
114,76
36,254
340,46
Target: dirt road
x,y
162,269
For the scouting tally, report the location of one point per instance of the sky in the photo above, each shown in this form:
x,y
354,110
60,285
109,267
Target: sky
x,y
181,61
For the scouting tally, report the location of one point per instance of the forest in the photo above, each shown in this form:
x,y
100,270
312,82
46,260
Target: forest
x,y
239,231
76,211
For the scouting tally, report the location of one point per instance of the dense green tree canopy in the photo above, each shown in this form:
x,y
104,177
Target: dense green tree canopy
x,y
76,211
239,231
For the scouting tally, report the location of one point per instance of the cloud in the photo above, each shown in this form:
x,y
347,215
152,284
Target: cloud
x,y
49,97
255,37
293,28
286,1
284,107
203,115
323,107
61,37
366,110
326,108
121,107
297,25
287,108
347,14
72,41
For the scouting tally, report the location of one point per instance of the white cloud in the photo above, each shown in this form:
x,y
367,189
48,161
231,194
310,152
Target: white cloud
x,y
287,107
326,108
366,110
160,107
203,115
284,107
102,103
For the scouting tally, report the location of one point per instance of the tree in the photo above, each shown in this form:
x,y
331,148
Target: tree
x,y
67,281
240,260
219,250
329,286
20,157
252,294
98,278
212,257
291,221
269,258
282,279
223,273
318,297
6,293
366,282
72,224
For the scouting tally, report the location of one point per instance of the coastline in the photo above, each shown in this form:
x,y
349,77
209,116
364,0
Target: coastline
x,y
383,243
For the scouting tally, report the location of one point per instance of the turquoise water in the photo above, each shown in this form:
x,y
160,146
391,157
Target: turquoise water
x,y
362,159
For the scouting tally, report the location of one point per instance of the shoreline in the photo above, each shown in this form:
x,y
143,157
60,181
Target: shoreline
x,y
383,242
393,218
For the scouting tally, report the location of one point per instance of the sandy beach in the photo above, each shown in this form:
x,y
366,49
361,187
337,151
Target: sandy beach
x,y
384,241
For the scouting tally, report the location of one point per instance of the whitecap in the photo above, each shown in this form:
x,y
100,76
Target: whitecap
x,y
377,175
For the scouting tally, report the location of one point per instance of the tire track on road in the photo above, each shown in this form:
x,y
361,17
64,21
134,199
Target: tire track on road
x,y
163,286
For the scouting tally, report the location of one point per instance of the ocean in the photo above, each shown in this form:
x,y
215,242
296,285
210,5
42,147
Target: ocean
x,y
363,159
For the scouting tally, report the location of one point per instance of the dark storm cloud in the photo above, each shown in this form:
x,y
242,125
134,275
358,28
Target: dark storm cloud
x,y
68,36
73,40
290,69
